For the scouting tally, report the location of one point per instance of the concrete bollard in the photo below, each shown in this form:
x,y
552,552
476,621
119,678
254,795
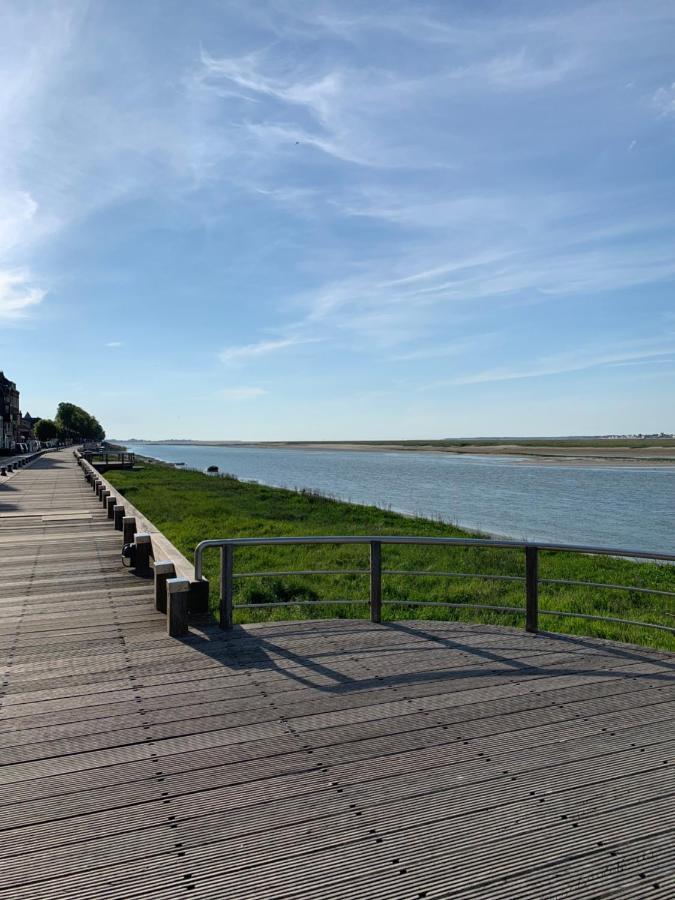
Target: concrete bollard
x,y
105,493
128,529
111,503
143,544
164,569
3,471
177,593
118,515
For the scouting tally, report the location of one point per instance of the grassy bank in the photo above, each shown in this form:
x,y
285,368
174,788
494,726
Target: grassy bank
x,y
189,507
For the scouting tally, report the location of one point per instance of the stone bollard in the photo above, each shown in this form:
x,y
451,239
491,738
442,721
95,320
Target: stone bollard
x,y
111,503
105,493
3,471
143,544
128,529
164,569
118,515
177,593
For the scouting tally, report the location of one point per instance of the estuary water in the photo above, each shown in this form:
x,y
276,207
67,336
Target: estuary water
x,y
620,507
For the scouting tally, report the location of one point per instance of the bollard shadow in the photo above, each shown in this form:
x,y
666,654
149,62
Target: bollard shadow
x,y
49,462
6,505
142,574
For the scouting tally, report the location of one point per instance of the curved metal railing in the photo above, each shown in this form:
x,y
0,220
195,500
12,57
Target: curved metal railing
x,y
530,577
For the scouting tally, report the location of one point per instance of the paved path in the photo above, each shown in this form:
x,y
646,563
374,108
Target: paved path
x,y
329,759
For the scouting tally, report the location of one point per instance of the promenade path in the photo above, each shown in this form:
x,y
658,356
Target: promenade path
x,y
330,759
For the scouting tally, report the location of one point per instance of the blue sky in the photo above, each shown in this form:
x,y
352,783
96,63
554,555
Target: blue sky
x,y
288,219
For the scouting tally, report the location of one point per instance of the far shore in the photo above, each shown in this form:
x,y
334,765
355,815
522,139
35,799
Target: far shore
x,y
586,454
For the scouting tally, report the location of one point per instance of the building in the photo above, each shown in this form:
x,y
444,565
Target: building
x,y
26,427
10,415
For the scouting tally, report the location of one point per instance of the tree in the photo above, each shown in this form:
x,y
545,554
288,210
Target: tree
x,y
45,430
75,423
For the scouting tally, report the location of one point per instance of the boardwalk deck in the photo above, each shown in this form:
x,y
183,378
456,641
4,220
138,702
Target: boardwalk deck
x,y
317,759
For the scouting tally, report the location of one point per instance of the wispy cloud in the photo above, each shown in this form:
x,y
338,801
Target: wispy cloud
x,y
664,100
244,352
242,393
18,294
114,344
578,360
433,351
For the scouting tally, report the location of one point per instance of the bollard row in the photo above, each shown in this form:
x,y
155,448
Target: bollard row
x,y
10,468
172,594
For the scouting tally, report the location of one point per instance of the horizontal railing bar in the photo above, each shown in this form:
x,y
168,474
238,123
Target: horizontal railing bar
x,y
431,541
302,572
299,603
617,587
420,573
576,615
514,609
423,572
511,609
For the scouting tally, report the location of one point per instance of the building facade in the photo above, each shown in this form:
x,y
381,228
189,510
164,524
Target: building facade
x,y
26,432
10,415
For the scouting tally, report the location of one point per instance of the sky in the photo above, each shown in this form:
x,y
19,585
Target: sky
x,y
339,220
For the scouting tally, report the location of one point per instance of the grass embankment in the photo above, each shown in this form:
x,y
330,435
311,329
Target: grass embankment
x,y
189,507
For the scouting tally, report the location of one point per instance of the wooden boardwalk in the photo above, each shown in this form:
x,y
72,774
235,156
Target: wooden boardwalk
x,y
333,759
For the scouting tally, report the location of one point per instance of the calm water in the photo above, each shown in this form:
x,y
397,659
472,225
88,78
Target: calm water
x,y
629,508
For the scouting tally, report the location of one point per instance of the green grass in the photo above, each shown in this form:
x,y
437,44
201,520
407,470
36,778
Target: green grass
x,y
190,507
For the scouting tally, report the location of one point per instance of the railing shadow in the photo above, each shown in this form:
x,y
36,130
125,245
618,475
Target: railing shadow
x,y
321,670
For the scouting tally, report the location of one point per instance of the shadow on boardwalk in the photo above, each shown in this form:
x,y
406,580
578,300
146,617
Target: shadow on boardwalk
x,y
322,669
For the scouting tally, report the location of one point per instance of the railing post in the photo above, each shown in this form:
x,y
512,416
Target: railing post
x,y
532,589
226,586
375,581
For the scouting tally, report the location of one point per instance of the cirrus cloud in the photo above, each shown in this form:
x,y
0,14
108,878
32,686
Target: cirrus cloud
x,y
243,393
18,294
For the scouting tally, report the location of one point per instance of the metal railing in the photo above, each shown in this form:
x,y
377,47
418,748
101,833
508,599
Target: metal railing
x,y
530,576
109,457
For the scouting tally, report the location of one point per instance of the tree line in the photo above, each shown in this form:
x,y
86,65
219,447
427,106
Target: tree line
x,y
71,423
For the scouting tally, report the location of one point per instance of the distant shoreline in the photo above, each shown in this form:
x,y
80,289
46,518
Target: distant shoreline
x,y
656,454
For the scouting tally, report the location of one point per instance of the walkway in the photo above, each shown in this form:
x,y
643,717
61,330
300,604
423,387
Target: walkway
x,y
333,759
